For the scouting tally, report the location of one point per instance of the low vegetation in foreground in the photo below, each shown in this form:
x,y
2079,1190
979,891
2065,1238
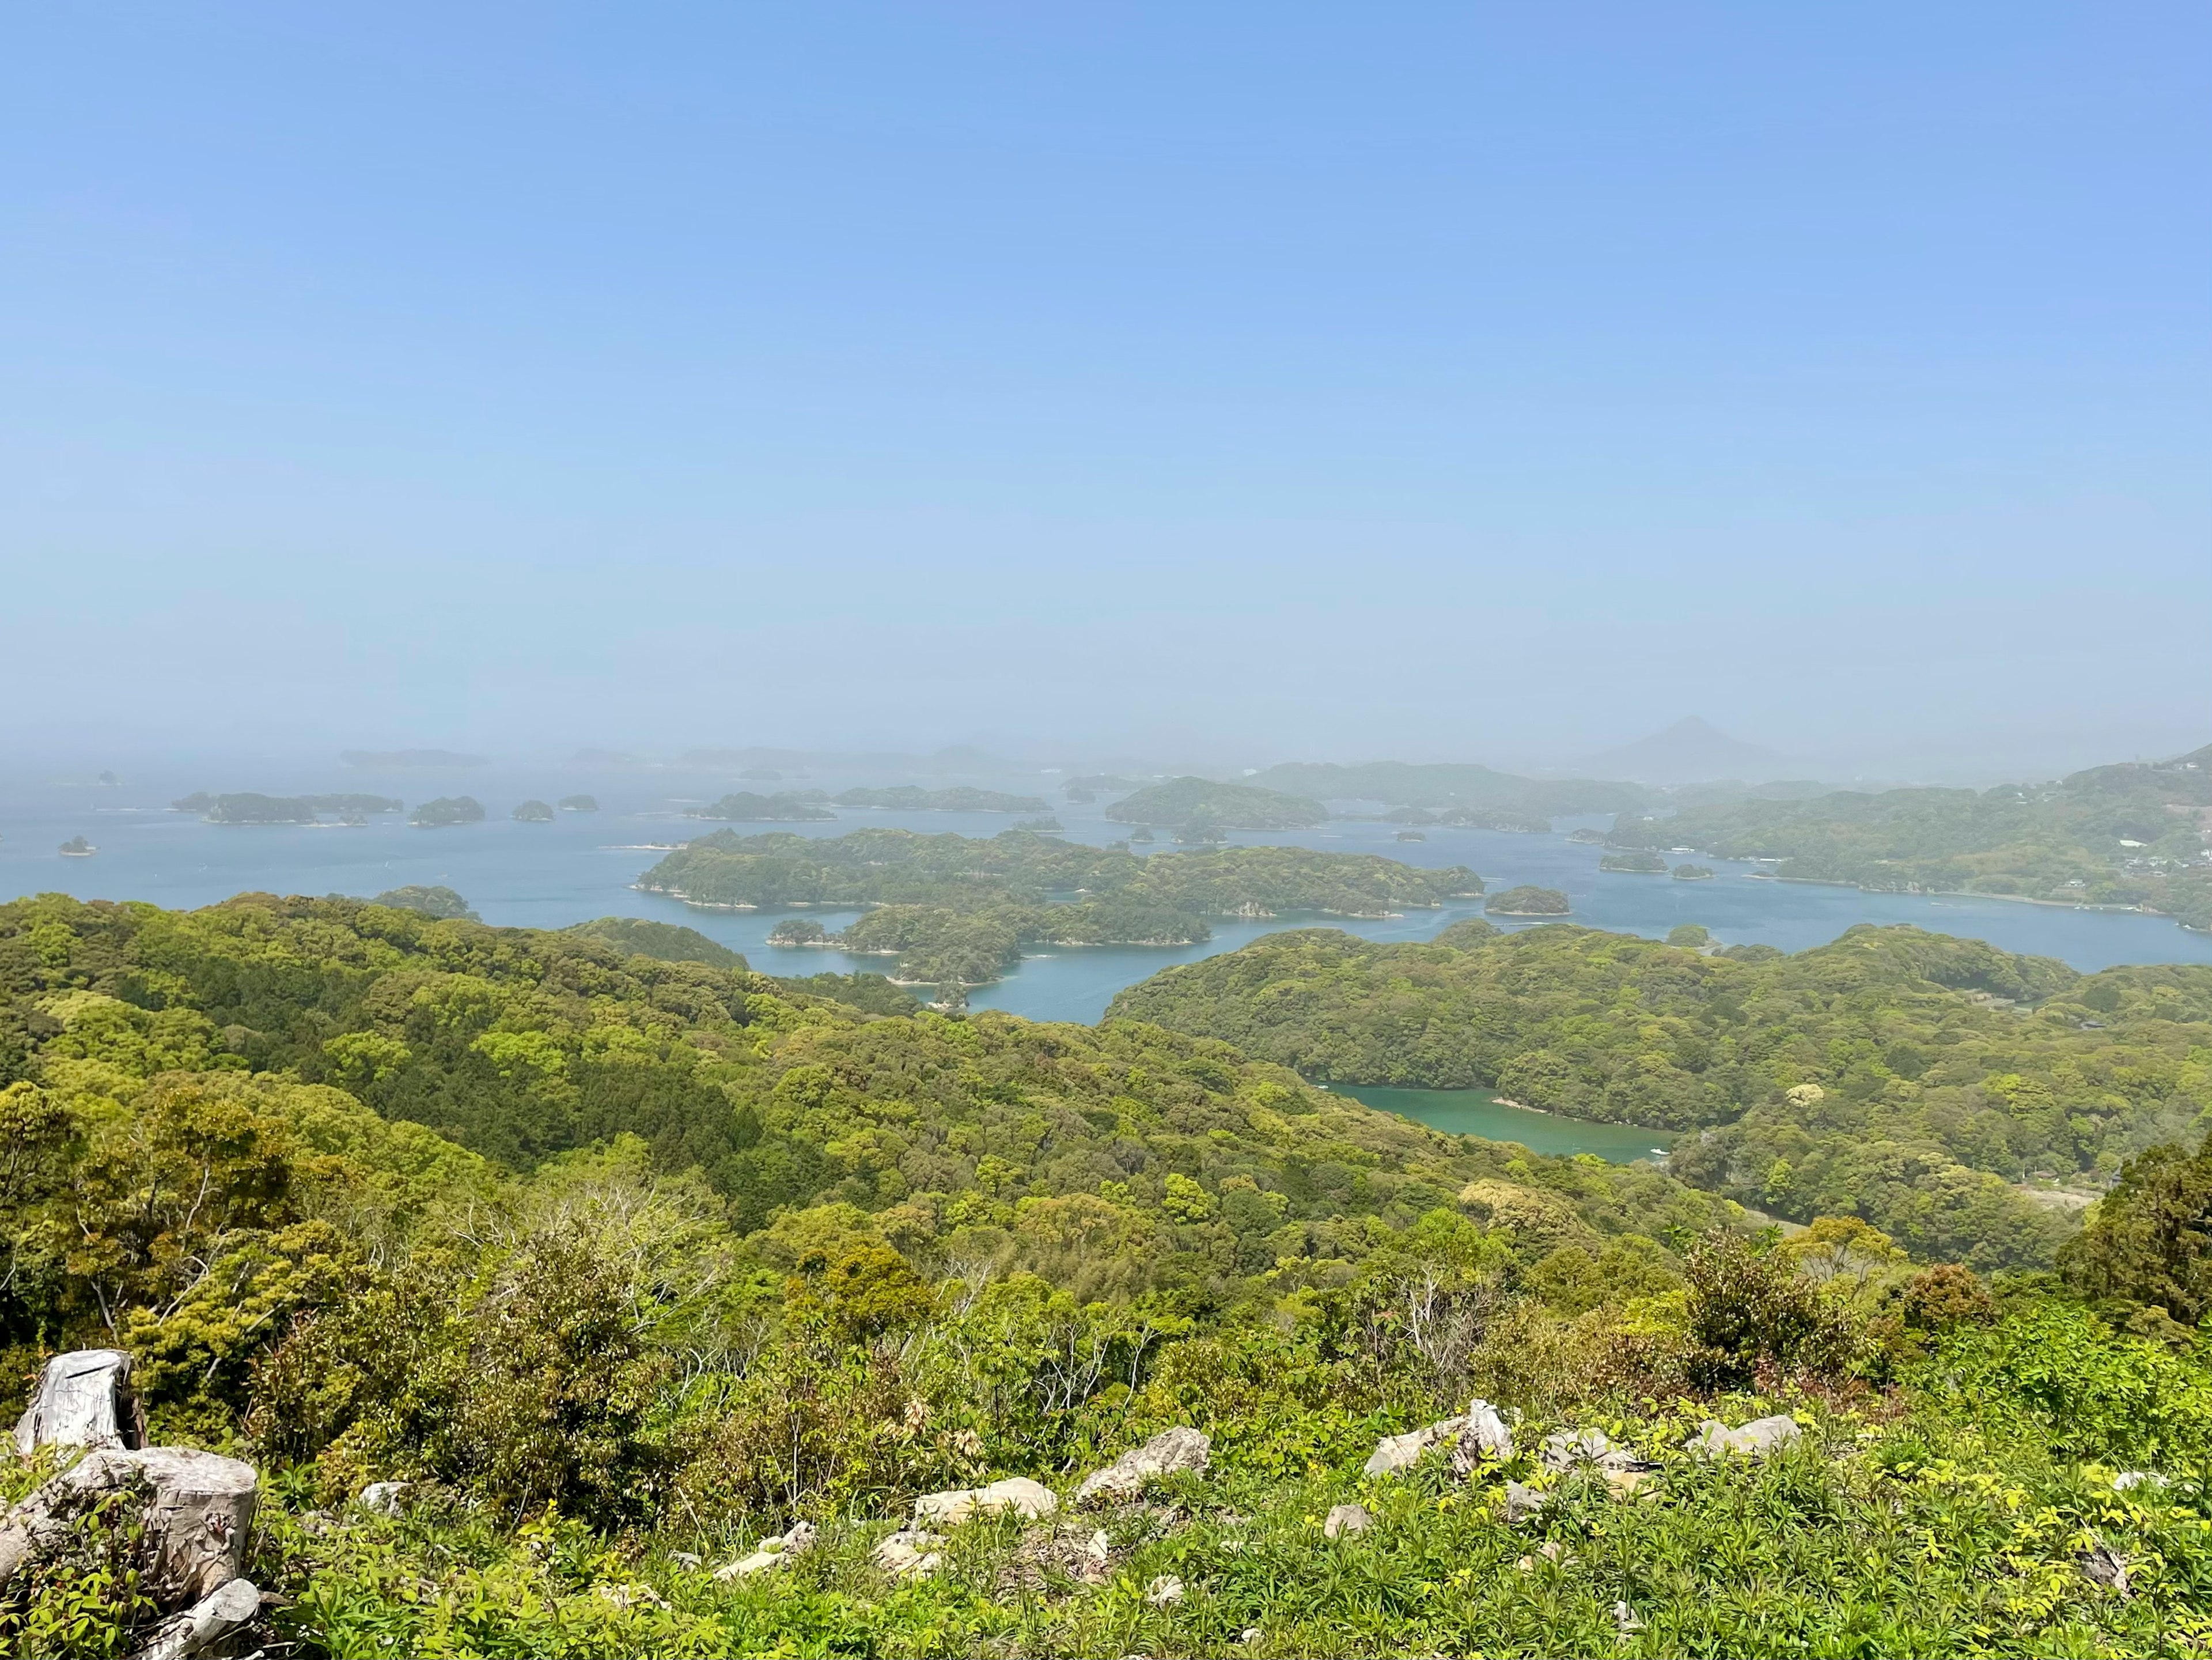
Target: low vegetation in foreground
x,y
632,1269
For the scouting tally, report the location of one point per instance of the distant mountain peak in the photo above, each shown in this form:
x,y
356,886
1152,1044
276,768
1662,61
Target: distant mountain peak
x,y
1693,750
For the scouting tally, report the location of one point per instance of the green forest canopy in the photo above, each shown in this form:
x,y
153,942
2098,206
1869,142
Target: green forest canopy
x,y
1908,1077
1186,802
690,1256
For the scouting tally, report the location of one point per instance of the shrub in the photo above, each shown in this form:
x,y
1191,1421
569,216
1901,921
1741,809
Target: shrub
x,y
1746,1306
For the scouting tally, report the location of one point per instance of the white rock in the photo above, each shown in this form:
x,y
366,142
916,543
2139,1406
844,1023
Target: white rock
x,y
745,1566
1394,1453
83,1399
797,1541
772,1551
910,1554
382,1498
1347,1518
206,1623
1624,1618
1166,1453
684,1559
1486,1430
1164,1591
626,1597
2107,1568
1756,1440
1026,1498
2128,1479
1250,1635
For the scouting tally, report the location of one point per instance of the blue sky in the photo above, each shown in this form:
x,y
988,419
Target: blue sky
x,y
1464,381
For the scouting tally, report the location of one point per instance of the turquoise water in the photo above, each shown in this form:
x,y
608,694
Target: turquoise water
x,y
1477,1112
582,866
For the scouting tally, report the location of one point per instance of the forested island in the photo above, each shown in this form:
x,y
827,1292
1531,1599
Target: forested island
x,y
533,813
1186,802
1447,785
1633,864
785,806
959,908
911,797
448,810
1907,1078
579,804
2138,834
1694,872
441,903
251,809
1527,901
626,1269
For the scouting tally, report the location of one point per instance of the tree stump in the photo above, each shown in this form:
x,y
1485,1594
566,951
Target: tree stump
x,y
83,1399
199,1510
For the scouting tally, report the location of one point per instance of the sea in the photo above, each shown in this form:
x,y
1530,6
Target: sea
x,y
585,864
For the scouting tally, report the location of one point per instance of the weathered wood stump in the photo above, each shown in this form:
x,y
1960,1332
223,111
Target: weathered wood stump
x,y
200,1511
83,1399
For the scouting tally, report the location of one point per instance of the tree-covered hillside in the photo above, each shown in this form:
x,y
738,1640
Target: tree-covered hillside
x,y
2135,834
1906,1077
699,1285
1205,804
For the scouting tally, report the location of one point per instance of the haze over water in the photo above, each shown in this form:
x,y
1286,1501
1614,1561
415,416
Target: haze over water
x,y
584,866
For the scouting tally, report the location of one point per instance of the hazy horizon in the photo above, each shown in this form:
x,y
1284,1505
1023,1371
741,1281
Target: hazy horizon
x,y
1209,389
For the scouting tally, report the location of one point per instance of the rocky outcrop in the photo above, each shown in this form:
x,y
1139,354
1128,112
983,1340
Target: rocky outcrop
x,y
1169,1452
1165,1591
1757,1439
1026,1498
1477,1433
773,1551
910,1554
83,1399
1568,1450
1522,1502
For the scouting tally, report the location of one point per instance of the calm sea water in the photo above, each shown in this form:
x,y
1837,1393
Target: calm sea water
x,y
583,865
1477,1112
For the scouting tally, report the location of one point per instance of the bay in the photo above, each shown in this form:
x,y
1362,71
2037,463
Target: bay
x,y
584,866
1480,1112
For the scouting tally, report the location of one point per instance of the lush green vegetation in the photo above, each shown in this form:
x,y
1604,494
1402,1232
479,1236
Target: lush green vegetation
x,y
534,812
704,1257
439,902
448,810
1694,872
1908,1077
77,848
962,797
2138,834
250,809
1526,901
1634,864
959,909
1203,803
1456,787
786,805
668,942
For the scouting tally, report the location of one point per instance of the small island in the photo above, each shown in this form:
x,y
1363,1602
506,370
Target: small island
x,y
77,848
1080,795
1411,836
448,810
1586,838
439,902
1143,833
1201,801
785,807
798,931
664,942
533,813
1528,902
1633,864
1693,873
247,808
1047,825
579,804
